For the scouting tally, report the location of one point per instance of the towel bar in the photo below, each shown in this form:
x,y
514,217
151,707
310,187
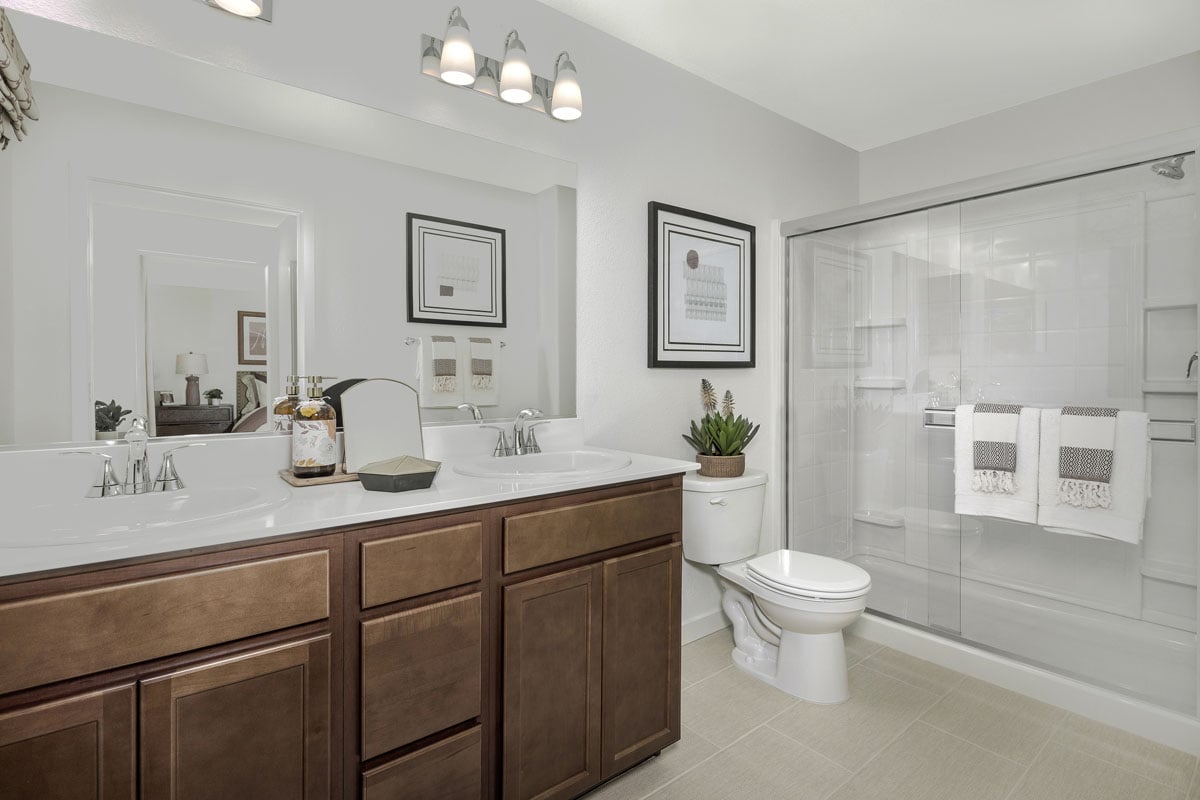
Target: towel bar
x,y
1161,430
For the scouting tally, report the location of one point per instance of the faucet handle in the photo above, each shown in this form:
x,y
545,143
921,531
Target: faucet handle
x,y
531,443
109,486
168,479
502,448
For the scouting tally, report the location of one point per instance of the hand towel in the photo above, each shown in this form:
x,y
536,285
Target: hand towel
x,y
1022,504
481,363
484,386
437,372
1129,486
1085,456
995,447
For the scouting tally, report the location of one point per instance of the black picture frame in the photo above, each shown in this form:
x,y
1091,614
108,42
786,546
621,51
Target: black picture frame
x,y
675,337
427,233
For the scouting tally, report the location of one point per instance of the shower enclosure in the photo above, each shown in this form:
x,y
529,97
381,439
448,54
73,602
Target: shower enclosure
x,y
1078,291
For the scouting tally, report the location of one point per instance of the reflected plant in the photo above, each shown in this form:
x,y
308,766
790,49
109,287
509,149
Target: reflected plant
x,y
109,415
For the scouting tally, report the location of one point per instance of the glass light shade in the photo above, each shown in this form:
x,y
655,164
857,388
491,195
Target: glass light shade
x,y
431,62
458,56
516,79
567,101
191,364
243,8
485,81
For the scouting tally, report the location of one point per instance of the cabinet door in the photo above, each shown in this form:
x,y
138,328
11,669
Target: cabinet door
x,y
552,633
641,655
253,725
77,748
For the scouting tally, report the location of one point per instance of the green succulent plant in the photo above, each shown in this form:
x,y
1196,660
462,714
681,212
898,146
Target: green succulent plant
x,y
109,415
719,434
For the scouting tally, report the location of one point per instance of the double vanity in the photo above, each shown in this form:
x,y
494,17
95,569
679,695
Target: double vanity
x,y
512,631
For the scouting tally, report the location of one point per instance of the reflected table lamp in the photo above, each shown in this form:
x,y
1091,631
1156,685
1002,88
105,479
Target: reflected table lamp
x,y
192,365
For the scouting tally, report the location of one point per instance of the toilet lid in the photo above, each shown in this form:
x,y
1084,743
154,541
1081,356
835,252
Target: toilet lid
x,y
808,574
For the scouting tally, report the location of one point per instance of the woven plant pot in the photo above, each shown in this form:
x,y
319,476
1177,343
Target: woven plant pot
x,y
722,466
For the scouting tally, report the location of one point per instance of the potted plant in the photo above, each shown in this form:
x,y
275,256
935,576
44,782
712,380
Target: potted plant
x,y
213,394
108,418
720,438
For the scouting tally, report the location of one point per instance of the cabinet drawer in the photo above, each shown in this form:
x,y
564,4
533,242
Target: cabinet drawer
x,y
421,673
65,635
419,563
449,770
545,537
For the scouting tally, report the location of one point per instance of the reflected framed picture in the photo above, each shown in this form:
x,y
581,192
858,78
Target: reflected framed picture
x,y
456,272
252,338
701,290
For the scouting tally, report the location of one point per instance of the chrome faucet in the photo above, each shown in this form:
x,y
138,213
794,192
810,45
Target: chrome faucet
x,y
136,467
137,463
520,447
1191,363
474,409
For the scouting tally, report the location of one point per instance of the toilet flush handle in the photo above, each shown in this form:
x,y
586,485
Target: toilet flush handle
x,y
718,501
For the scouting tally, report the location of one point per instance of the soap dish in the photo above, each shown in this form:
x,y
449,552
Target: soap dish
x,y
400,474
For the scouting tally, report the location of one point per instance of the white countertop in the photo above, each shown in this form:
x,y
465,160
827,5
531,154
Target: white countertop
x,y
294,510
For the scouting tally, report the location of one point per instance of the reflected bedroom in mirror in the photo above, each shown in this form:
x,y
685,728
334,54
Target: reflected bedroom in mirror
x,y
179,254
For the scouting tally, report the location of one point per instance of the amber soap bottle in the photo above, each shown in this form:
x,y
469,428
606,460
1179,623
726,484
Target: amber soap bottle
x,y
314,434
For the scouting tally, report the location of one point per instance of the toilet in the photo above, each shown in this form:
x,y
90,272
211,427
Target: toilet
x,y
788,608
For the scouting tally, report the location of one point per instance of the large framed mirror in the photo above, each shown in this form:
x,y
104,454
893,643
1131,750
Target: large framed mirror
x,y
178,238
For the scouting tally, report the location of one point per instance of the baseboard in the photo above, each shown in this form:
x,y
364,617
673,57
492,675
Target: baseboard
x,y
1143,719
702,625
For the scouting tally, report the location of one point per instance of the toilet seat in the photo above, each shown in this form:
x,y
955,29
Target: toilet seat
x,y
809,576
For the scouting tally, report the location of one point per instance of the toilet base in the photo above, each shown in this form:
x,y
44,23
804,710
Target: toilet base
x,y
811,666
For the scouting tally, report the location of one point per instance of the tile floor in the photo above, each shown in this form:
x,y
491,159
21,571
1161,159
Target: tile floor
x,y
911,731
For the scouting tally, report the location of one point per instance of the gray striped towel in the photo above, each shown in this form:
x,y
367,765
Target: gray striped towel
x,y
481,363
1085,456
995,447
445,364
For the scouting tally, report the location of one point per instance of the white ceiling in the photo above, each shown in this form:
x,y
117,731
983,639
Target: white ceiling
x,y
870,72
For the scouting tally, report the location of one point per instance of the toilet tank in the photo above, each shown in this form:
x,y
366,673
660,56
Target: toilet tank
x,y
722,517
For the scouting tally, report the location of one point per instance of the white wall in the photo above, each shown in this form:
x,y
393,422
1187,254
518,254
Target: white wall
x,y
650,131
1155,100
355,209
6,300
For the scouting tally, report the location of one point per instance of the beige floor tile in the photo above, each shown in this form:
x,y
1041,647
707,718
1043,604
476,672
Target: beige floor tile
x,y
1141,756
1194,794
1004,722
729,704
643,779
927,764
1064,774
766,764
915,671
858,648
706,656
879,708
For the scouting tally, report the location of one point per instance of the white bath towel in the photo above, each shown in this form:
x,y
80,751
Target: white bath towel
x,y
1130,483
438,368
994,434
483,388
1022,504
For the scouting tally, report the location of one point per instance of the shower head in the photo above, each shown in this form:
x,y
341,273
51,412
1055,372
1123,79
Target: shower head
x,y
1171,168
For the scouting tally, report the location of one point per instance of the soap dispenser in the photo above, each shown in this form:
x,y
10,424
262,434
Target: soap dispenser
x,y
314,434
284,410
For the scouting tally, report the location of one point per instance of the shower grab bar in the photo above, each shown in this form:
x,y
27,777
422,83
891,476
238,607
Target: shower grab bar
x,y
1161,430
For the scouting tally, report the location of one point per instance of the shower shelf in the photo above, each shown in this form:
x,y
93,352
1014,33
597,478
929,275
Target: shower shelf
x,y
1169,387
884,519
1161,430
1166,304
880,383
893,322
1171,573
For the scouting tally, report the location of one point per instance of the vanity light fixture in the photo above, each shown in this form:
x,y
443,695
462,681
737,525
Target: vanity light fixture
x,y
516,79
453,60
247,9
458,56
567,103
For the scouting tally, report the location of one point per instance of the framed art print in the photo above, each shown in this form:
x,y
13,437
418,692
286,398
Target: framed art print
x,y
252,338
701,290
455,272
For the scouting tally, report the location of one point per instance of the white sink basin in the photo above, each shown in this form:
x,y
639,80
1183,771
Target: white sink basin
x,y
543,466
107,519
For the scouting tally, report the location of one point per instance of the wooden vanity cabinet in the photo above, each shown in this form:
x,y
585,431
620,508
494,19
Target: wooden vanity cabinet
x,y
591,653
78,748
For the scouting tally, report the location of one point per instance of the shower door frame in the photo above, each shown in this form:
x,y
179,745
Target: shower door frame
x,y
1144,151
